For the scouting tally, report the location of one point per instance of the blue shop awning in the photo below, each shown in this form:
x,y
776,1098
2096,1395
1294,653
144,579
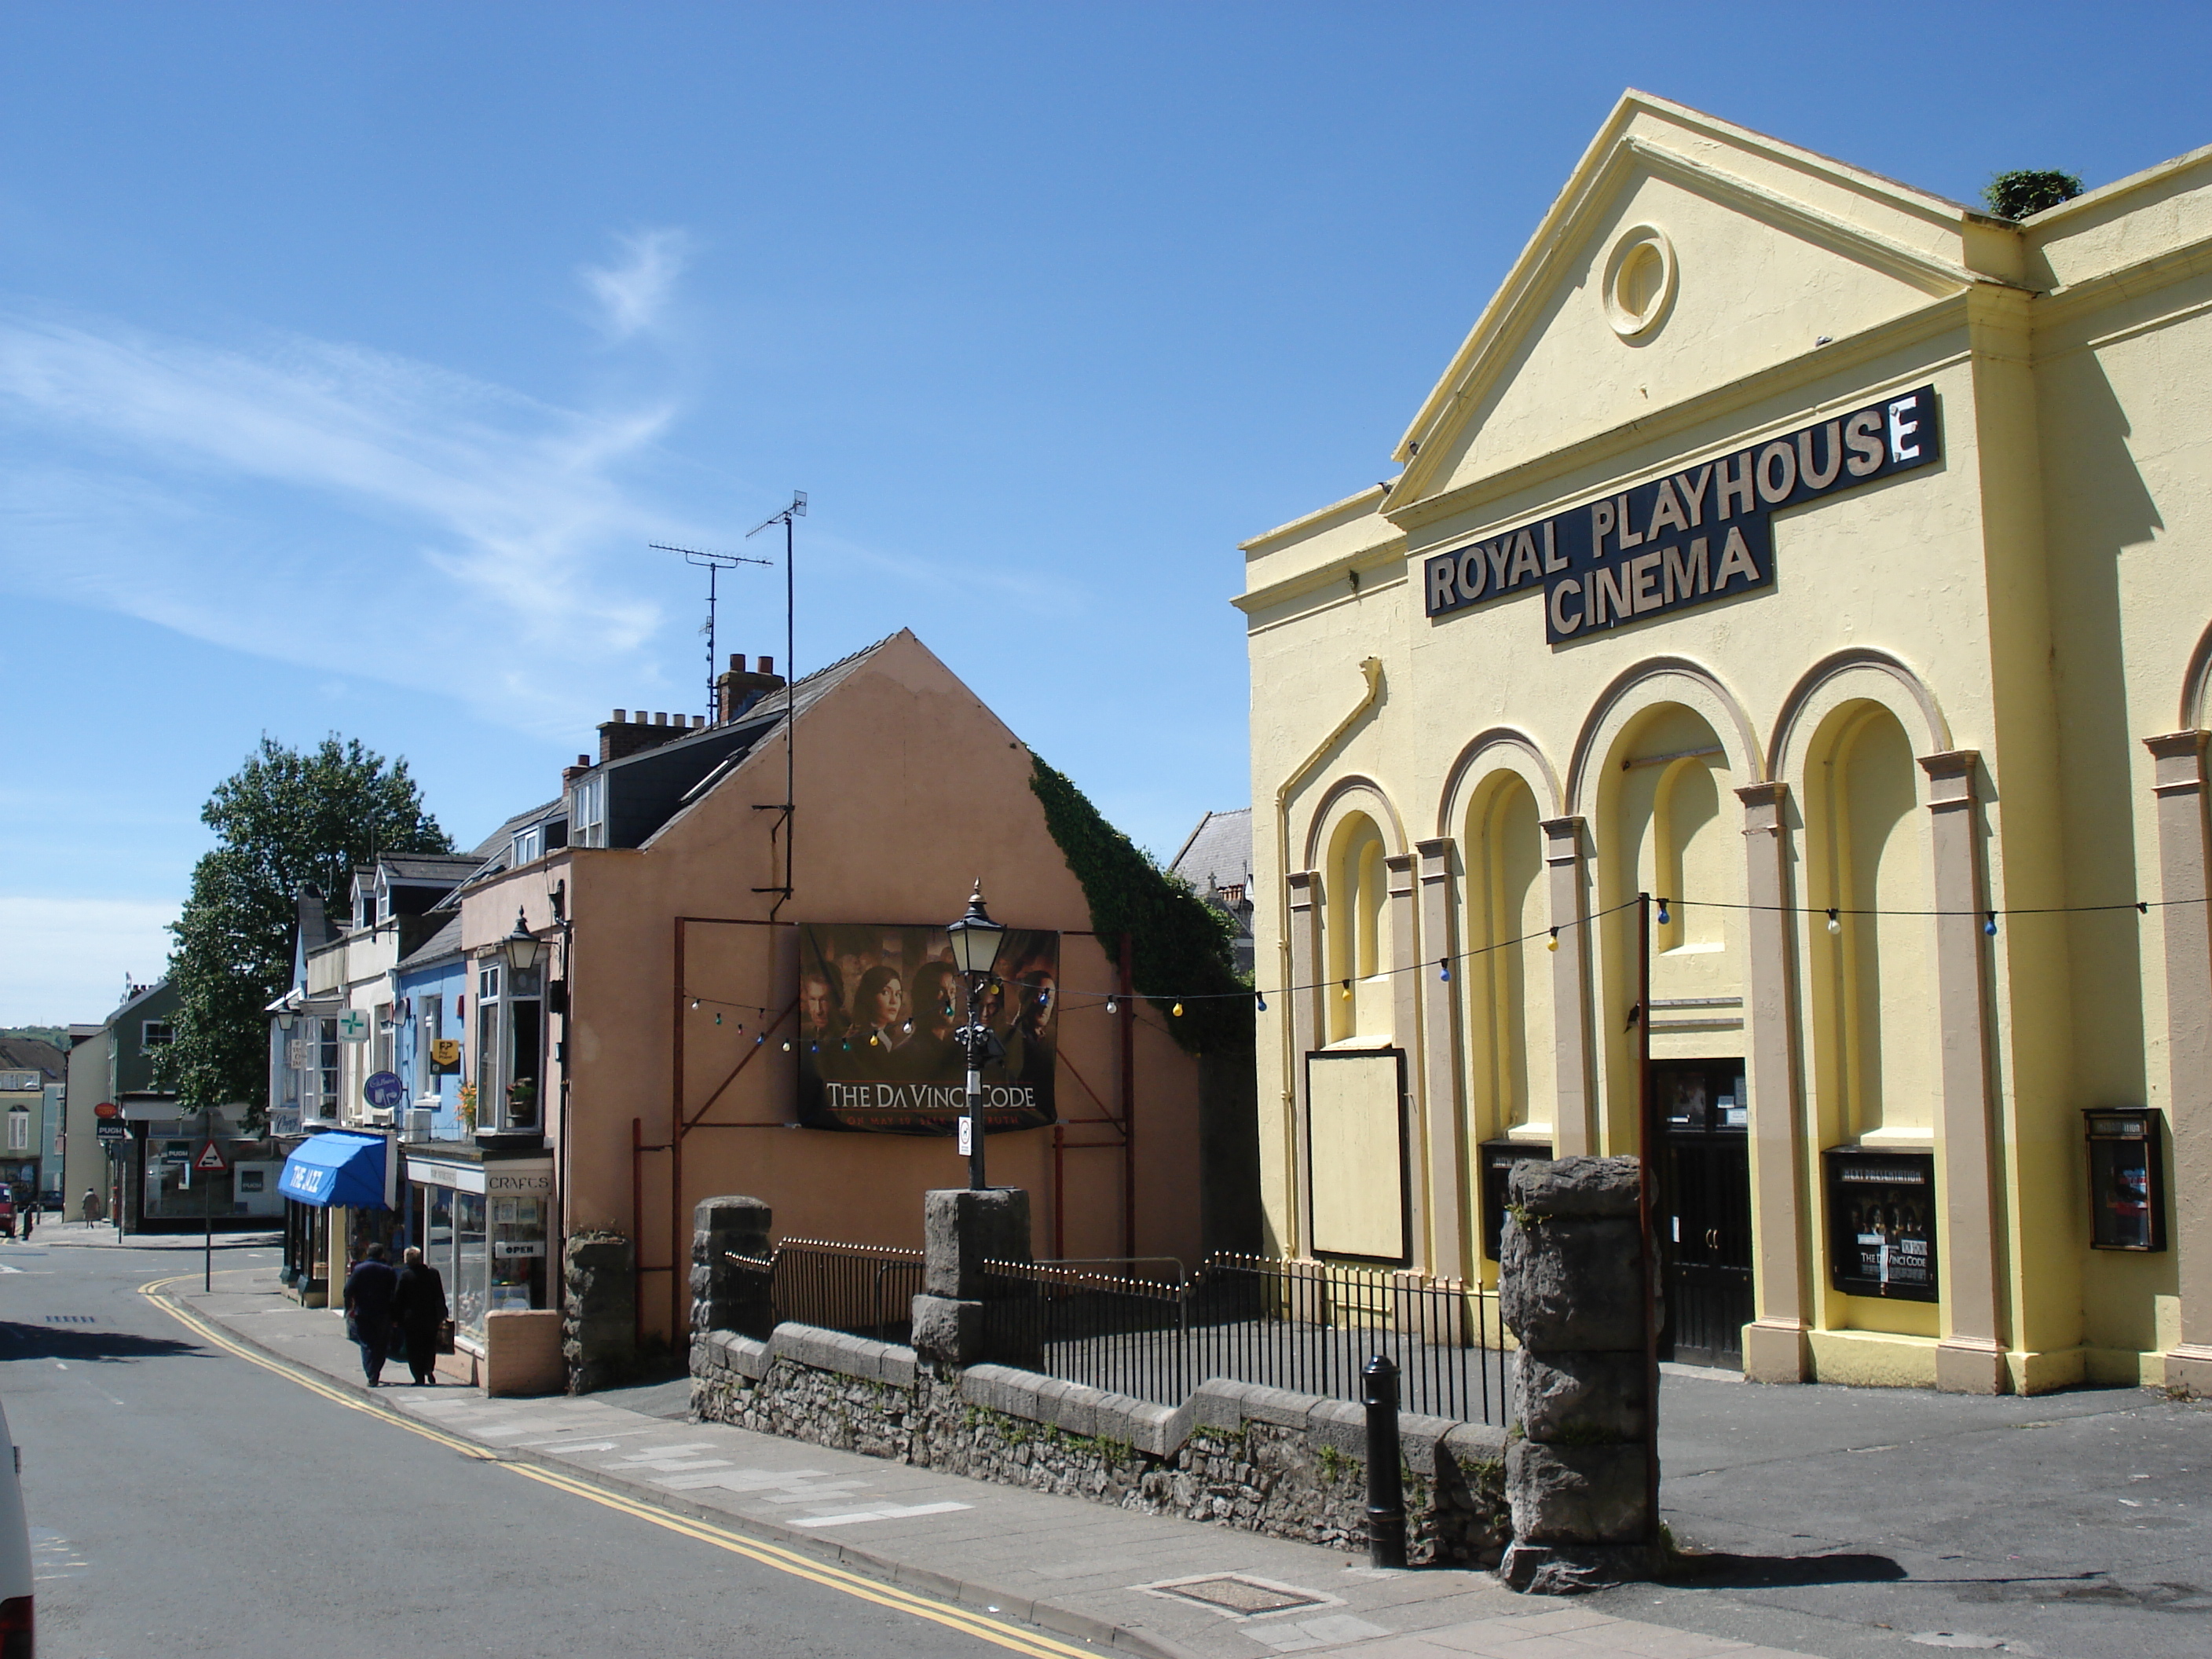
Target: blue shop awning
x,y
337,1168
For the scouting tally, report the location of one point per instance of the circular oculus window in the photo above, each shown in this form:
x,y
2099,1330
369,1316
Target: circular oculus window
x,y
1639,281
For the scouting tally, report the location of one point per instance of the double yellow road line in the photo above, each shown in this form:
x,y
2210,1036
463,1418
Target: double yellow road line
x,y
981,1626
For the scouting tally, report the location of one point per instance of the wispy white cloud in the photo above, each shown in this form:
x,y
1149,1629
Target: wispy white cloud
x,y
64,959
424,523
634,292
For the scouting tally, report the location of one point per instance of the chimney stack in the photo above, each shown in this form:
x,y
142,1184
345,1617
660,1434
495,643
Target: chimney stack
x,y
737,691
624,736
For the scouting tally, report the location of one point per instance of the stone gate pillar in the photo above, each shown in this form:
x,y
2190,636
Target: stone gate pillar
x,y
1570,1287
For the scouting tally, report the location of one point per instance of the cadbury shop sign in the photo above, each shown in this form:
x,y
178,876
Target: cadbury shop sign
x,y
1689,538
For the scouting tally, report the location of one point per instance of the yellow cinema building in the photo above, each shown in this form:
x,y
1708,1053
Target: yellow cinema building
x,y
1831,562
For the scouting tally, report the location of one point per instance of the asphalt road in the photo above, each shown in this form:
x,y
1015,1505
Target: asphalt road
x,y
184,1502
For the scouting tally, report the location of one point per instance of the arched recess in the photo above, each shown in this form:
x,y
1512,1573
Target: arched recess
x,y
1354,831
1500,748
1661,679
1862,674
2193,683
1661,774
1505,978
1870,988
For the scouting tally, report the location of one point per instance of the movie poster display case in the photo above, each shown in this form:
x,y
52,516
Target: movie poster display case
x,y
2127,1179
1881,1222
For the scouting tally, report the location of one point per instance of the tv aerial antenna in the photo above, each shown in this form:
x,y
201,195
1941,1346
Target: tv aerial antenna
x,y
786,516
714,565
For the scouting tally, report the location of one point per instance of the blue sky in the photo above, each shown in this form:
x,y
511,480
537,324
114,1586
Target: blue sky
x,y
351,356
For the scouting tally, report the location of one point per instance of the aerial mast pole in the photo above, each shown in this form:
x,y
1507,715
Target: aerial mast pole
x,y
796,510
714,565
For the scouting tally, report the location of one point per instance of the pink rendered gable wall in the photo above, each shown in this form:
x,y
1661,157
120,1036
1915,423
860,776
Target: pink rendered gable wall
x,y
907,788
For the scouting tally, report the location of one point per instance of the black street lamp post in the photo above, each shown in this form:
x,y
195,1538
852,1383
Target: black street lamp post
x,y
975,941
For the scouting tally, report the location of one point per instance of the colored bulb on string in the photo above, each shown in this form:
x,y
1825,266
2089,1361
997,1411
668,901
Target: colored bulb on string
x,y
694,1002
813,1048
1553,942
1990,926
759,1040
1347,990
1444,969
786,1045
1664,918
1178,1011
1112,1007
1834,925
1261,1000
718,1019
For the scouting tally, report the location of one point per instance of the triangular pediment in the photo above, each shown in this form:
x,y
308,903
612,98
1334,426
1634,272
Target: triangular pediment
x,y
1754,252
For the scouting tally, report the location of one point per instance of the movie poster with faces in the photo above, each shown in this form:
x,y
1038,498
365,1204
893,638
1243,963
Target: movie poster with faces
x,y
878,1009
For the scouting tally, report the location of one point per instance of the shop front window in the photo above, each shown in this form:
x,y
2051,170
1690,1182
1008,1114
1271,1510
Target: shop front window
x,y
518,1253
471,1281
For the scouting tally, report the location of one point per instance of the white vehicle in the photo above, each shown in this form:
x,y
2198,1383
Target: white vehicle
x,y
16,1639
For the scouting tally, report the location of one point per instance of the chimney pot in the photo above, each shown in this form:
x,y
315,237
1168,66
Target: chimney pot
x,y
767,665
661,718
621,715
583,760
698,721
737,662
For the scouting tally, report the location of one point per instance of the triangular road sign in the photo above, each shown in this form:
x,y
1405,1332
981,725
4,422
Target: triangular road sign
x,y
211,1157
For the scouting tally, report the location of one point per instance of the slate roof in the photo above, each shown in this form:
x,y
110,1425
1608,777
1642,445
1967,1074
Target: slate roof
x,y
441,946
32,1055
429,866
1218,853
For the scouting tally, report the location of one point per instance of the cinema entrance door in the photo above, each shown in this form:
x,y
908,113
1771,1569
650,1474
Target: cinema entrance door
x,y
1705,1167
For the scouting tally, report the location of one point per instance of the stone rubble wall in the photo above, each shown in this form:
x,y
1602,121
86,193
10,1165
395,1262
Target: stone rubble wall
x,y
1256,1459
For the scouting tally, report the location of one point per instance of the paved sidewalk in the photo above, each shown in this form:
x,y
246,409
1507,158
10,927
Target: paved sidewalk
x,y
1111,1576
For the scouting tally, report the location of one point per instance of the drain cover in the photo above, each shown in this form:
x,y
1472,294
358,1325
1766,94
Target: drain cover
x,y
1245,1596
71,1319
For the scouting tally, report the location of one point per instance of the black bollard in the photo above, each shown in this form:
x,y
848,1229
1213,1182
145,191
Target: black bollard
x,y
1386,1490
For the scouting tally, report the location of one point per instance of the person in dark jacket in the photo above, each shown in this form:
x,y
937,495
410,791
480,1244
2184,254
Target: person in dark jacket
x,y
418,1306
368,1291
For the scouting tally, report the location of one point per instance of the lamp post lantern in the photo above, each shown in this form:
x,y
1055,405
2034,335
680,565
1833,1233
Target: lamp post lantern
x,y
975,941
521,946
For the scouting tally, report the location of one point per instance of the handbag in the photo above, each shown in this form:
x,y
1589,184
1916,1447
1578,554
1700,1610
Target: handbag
x,y
353,1328
445,1336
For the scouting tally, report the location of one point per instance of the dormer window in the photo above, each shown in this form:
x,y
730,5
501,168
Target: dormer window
x,y
588,811
528,846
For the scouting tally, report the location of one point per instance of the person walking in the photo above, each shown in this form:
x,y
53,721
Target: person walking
x,y
418,1306
94,1209
368,1291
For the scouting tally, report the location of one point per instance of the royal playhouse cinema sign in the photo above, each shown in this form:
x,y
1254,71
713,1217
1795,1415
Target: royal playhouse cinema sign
x,y
1688,538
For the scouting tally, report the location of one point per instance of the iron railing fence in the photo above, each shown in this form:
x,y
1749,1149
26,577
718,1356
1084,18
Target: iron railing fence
x,y
864,1290
1308,1327
1144,1327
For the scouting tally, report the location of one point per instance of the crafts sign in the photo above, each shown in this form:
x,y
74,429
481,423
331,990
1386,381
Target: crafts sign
x,y
1688,538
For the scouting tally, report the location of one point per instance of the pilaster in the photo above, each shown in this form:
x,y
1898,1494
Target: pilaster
x,y
2178,785
1970,1359
1406,954
1443,1112
1776,1349
1309,1023
1575,1129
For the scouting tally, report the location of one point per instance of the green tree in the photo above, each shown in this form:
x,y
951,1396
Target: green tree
x,y
2017,195
286,817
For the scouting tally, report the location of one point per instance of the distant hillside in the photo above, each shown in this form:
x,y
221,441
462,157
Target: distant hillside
x,y
56,1035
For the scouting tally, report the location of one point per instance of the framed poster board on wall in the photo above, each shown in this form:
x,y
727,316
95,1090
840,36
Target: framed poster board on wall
x,y
1881,1223
1356,1154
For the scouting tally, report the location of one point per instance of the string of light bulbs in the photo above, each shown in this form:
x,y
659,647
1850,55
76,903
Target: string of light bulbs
x,y
1832,915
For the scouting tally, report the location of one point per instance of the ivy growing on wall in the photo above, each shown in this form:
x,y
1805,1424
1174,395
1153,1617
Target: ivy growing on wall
x,y
1181,945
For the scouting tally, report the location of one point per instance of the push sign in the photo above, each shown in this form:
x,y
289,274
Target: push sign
x,y
1692,536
